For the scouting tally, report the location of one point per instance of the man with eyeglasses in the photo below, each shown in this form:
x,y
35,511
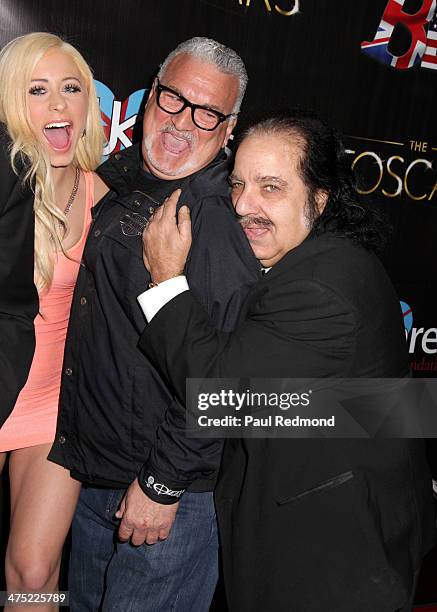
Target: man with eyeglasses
x,y
119,429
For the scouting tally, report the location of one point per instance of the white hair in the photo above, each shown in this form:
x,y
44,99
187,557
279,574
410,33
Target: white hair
x,y
226,60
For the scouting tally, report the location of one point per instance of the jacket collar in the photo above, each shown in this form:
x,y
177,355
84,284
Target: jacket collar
x,y
309,247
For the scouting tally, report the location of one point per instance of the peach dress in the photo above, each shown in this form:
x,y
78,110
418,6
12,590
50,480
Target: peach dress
x,y
33,420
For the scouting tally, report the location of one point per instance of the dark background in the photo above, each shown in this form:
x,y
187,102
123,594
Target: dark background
x,y
312,59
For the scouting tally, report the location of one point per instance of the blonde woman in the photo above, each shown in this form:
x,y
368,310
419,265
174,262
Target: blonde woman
x,y
49,106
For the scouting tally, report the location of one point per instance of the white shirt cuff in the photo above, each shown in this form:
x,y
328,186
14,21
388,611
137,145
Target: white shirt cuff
x,y
152,300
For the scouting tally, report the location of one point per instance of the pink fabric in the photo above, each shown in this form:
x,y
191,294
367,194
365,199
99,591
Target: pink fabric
x,y
33,420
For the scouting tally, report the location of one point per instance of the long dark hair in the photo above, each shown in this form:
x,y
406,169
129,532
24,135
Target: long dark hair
x,y
325,167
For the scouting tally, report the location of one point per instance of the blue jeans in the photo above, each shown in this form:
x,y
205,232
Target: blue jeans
x,y
178,574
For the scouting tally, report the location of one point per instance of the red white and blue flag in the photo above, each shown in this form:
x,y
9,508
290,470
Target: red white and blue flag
x,y
423,46
429,59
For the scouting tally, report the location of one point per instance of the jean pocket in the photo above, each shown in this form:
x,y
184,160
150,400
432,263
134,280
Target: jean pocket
x,y
113,502
336,481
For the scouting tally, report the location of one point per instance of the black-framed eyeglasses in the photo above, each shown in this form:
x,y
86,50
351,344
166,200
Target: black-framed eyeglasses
x,y
173,103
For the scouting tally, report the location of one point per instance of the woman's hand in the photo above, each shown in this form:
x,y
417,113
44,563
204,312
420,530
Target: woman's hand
x,y
167,240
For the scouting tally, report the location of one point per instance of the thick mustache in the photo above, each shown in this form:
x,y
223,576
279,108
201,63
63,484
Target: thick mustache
x,y
250,220
185,135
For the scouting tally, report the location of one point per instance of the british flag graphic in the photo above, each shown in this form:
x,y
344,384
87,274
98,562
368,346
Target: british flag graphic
x,y
429,59
421,47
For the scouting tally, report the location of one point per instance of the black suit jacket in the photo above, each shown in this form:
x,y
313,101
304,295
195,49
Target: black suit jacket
x,y
310,525
18,295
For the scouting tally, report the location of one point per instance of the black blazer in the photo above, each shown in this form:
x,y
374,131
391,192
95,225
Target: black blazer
x,y
322,524
18,295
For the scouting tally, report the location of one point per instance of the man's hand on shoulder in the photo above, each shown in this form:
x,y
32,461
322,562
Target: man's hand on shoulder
x,y
142,519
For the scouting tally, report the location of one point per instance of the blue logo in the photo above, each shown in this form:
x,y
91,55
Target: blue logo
x,y
407,313
118,117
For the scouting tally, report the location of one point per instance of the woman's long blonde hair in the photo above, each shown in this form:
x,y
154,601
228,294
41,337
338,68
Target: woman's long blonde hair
x,y
17,63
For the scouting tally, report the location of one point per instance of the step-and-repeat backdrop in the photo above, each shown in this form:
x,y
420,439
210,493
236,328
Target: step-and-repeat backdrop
x,y
368,65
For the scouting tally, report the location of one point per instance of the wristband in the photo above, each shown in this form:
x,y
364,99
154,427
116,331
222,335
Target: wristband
x,y
158,490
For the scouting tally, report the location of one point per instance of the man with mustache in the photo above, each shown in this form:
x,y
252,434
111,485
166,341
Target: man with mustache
x,y
311,525
119,430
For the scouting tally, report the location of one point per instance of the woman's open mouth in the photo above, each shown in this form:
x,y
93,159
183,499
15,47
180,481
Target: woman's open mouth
x,y
58,135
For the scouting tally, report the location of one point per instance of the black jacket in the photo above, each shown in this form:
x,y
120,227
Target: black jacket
x,y
116,414
330,525
18,295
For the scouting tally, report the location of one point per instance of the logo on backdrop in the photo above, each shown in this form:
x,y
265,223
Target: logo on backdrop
x,y
422,27
407,315
118,117
394,169
419,339
284,7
